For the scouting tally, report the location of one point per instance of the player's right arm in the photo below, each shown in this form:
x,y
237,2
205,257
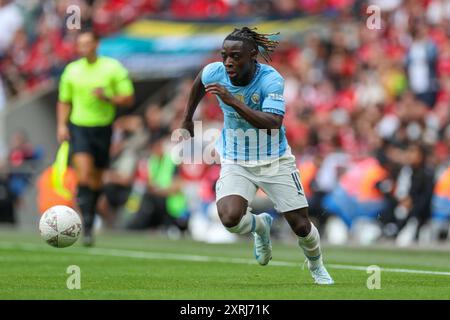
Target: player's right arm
x,y
196,94
63,108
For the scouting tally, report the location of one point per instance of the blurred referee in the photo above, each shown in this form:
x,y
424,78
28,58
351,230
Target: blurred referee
x,y
90,89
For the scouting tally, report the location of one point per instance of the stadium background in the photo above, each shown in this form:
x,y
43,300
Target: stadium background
x,y
367,110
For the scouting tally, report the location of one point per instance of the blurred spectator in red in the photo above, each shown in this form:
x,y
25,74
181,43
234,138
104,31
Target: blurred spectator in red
x,y
182,9
23,161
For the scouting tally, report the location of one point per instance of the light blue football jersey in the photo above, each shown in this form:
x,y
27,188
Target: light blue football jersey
x,y
240,141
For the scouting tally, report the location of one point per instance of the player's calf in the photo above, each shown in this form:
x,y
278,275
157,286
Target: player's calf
x,y
237,218
309,241
301,226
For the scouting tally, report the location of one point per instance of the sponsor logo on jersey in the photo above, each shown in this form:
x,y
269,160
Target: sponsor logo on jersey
x,y
275,96
240,97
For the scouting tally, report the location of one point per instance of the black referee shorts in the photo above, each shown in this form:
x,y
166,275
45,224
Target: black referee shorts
x,y
93,140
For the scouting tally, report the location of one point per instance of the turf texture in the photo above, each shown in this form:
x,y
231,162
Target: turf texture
x,y
144,266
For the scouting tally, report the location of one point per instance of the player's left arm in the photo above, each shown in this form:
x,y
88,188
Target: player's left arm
x,y
123,101
123,89
271,116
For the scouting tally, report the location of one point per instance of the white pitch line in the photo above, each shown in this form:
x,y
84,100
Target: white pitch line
x,y
341,266
197,258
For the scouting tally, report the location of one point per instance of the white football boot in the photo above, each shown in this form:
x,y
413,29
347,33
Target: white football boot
x,y
319,273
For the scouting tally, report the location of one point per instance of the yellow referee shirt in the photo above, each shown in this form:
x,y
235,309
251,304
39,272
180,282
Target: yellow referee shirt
x,y
78,82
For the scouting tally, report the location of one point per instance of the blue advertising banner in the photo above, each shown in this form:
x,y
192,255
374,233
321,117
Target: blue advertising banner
x,y
156,48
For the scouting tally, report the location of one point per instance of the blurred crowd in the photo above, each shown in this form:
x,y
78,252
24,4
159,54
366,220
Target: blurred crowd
x,y
35,43
367,116
18,166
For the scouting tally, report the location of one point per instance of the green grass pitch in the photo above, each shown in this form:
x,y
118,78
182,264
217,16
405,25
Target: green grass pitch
x,y
141,266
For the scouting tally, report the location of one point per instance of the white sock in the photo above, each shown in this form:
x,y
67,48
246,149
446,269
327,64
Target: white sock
x,y
249,223
311,246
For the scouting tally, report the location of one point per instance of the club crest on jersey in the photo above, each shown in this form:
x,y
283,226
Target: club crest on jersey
x,y
255,98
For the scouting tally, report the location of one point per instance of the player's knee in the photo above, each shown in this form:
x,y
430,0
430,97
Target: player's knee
x,y
299,221
83,173
229,215
96,182
230,219
83,178
84,168
302,227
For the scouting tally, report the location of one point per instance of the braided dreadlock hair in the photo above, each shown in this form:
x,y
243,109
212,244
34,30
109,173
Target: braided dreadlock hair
x,y
256,40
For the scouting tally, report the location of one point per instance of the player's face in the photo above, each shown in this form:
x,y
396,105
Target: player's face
x,y
87,45
238,59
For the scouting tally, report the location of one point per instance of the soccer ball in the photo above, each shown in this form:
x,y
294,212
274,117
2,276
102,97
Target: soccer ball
x,y
60,226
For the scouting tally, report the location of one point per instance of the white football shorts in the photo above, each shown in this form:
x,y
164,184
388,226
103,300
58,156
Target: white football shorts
x,y
280,180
